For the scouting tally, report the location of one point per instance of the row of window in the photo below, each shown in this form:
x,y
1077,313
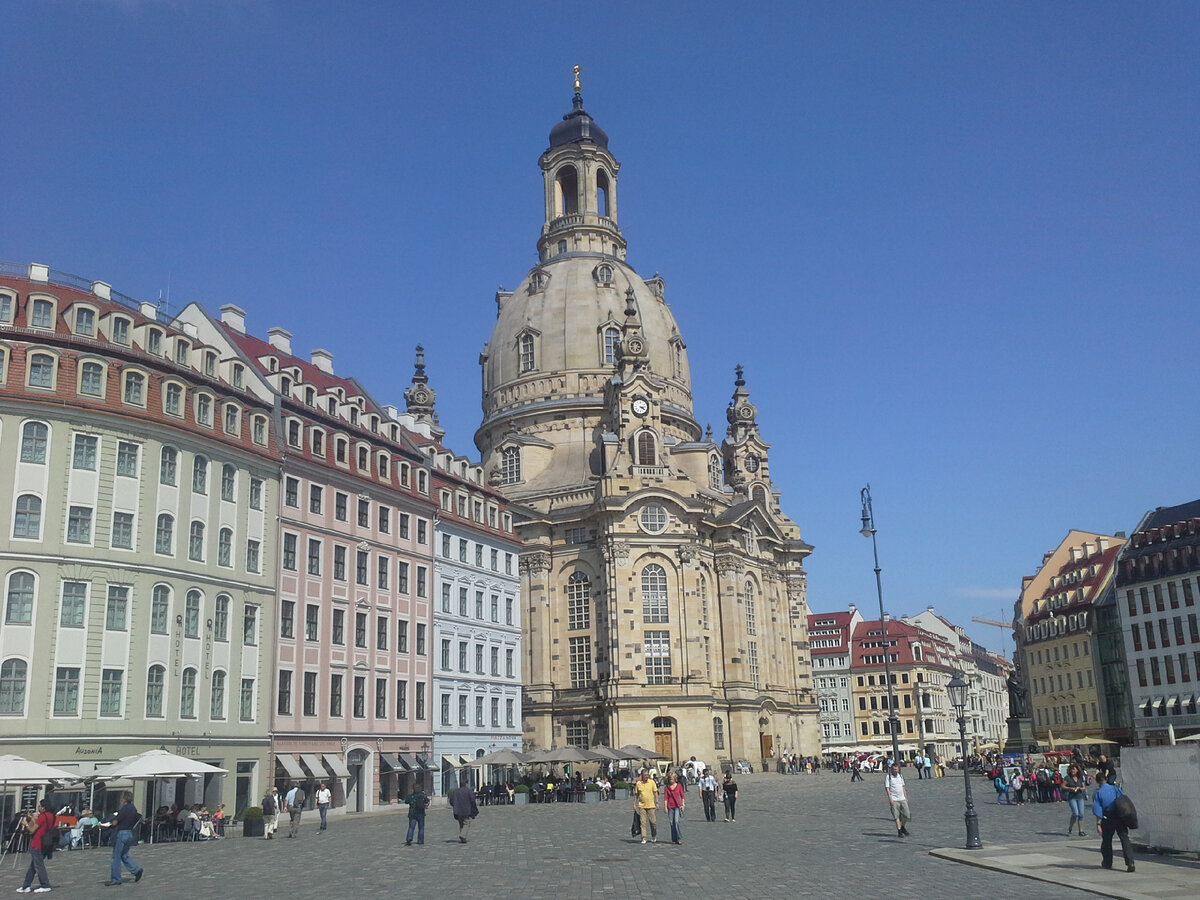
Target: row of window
x,y
337,628
42,369
1163,670
384,514
314,560
464,607
318,442
117,327
509,711
21,594
1165,632
1067,714
68,688
309,700
609,343
480,651
1173,591
464,555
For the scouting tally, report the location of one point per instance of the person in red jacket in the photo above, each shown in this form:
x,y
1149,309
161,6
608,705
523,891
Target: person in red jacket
x,y
674,796
37,863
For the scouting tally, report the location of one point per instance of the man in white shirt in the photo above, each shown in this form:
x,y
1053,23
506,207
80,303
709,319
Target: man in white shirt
x,y
708,794
897,794
324,798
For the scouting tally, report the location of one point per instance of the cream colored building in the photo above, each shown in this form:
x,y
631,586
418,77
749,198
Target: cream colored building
x,y
1055,626
665,587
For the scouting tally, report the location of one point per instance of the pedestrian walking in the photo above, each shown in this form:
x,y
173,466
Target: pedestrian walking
x,y
855,771
462,804
929,766
1075,788
897,795
729,793
919,765
1108,822
124,822
1001,786
418,802
295,807
270,808
708,794
38,827
673,795
324,797
646,801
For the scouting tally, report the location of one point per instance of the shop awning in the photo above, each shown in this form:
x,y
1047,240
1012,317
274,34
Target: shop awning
x,y
336,766
424,763
389,760
289,764
1158,702
408,763
451,761
466,760
1173,703
313,763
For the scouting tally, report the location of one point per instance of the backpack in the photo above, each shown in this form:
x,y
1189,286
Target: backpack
x,y
1124,811
50,841
298,800
1043,777
268,805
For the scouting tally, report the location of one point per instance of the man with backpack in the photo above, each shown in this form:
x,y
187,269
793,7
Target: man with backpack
x,y
1112,817
295,806
418,803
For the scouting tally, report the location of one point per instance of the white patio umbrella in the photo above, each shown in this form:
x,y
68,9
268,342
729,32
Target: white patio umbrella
x,y
155,764
21,772
502,757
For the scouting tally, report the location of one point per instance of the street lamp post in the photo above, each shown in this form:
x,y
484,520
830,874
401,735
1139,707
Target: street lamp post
x,y
868,530
957,689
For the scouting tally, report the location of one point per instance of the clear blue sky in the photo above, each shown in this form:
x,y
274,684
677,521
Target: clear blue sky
x,y
955,244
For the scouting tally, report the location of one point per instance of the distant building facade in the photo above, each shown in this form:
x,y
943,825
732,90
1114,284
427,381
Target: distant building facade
x,y
1156,595
829,642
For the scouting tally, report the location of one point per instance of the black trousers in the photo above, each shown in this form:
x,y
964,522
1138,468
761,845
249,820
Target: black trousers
x,y
710,805
1107,827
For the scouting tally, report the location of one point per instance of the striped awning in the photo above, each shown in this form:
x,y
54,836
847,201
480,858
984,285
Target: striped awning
x,y
336,766
410,764
390,760
313,763
289,764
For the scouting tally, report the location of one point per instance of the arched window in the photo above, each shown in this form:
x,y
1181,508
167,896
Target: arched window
x,y
602,193
200,475
654,594
187,694
225,547
579,601
916,650
191,615
718,733
41,370
167,466
155,678
12,687
196,542
677,359
18,610
525,348
663,722
160,609
510,465
702,594
34,436
28,520
566,184
646,448
164,534
228,481
714,472
612,339
216,706
751,616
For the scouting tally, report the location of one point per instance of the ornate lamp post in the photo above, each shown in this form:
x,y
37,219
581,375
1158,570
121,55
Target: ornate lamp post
x,y
868,530
957,689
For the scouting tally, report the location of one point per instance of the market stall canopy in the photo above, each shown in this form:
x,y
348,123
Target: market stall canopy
x,y
158,764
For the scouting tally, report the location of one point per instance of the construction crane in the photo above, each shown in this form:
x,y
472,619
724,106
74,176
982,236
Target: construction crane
x,y
995,623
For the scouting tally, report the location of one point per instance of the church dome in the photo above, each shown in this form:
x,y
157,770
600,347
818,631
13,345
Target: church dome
x,y
577,127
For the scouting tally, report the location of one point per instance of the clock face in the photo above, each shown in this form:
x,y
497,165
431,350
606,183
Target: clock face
x,y
639,406
752,463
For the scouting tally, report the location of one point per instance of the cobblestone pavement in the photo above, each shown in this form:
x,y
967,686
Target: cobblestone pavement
x,y
795,836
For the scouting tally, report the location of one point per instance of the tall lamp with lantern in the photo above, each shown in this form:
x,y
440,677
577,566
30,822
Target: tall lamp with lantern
x,y
957,689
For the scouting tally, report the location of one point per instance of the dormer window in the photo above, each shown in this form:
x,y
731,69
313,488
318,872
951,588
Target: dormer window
x,y
43,313
239,375
204,405
310,396
85,321
293,433
383,465
272,364
8,303
353,416
120,330
181,348
525,353
341,448
285,386
362,458
318,442
332,406
375,424
405,469
604,274
210,364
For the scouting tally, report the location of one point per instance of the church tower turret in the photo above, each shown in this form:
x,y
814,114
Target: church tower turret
x,y
420,397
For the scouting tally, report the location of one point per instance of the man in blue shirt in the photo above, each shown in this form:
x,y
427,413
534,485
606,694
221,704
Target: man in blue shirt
x,y
1107,822
125,820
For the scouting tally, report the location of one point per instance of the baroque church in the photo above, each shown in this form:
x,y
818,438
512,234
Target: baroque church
x,y
663,585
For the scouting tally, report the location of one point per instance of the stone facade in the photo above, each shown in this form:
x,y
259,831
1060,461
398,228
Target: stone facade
x,y
664,586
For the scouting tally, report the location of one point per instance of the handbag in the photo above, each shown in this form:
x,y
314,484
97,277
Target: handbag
x,y
636,829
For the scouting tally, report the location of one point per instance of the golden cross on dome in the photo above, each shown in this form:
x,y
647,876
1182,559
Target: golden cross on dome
x,y
577,79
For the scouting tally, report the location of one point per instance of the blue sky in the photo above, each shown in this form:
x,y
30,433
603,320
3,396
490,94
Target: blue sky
x,y
954,244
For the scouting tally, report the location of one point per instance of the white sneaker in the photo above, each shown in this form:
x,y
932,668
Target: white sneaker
x,y
24,890
643,841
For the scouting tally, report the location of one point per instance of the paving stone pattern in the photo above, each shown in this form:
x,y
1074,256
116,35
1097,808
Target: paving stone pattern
x,y
796,836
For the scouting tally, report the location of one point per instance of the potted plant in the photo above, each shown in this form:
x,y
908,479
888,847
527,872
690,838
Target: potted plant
x,y
620,790
252,822
591,793
521,794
